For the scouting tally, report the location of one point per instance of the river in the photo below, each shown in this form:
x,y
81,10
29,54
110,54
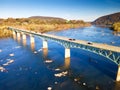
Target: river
x,y
31,68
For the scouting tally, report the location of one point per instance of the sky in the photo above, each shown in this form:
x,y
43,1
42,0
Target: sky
x,y
87,10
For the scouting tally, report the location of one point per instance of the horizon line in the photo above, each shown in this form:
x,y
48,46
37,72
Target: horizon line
x,y
44,16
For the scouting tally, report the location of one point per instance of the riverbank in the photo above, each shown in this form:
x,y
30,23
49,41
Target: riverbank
x,y
51,27
116,27
39,25
4,32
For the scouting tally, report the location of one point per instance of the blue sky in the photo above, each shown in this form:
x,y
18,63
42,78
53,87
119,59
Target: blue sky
x,y
87,10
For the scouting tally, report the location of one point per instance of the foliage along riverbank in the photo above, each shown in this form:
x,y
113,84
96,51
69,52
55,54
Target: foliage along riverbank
x,y
116,27
39,24
111,21
4,32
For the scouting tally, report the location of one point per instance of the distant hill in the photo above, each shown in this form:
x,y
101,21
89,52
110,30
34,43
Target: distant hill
x,y
1,20
46,18
107,19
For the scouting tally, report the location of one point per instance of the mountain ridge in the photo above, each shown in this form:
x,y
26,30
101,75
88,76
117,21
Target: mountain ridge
x,y
107,19
45,17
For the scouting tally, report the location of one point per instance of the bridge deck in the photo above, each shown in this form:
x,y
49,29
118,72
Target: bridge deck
x,y
97,45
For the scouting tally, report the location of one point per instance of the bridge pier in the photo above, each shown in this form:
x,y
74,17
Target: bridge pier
x,y
45,44
45,48
118,74
32,42
14,35
67,53
24,38
18,36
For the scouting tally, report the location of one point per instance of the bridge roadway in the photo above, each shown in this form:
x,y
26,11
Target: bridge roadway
x,y
108,51
83,42
96,45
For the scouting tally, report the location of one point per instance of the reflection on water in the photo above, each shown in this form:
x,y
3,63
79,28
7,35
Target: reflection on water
x,y
24,42
29,71
14,37
116,33
117,86
67,63
32,46
45,52
18,37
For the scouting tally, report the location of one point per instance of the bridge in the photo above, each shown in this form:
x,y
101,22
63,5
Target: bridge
x,y
110,52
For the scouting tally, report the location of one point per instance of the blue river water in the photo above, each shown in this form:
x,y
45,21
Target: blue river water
x,y
26,66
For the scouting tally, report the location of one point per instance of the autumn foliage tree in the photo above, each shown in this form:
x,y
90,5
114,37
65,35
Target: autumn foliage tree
x,y
42,24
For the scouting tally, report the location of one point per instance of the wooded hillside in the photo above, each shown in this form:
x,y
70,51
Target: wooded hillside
x,y
107,19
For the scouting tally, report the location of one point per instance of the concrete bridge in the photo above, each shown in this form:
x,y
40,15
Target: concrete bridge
x,y
108,51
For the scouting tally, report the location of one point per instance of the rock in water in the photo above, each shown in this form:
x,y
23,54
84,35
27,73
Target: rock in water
x,y
49,88
0,50
12,54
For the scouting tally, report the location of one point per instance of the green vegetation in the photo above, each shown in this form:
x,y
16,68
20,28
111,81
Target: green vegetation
x,y
116,27
39,24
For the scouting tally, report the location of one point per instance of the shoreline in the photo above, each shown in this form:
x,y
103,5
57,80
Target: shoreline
x,y
67,29
4,32
40,25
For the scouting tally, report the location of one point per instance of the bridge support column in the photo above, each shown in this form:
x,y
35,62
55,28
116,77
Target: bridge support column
x,y
24,36
14,35
67,53
24,39
45,44
118,74
18,36
32,42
